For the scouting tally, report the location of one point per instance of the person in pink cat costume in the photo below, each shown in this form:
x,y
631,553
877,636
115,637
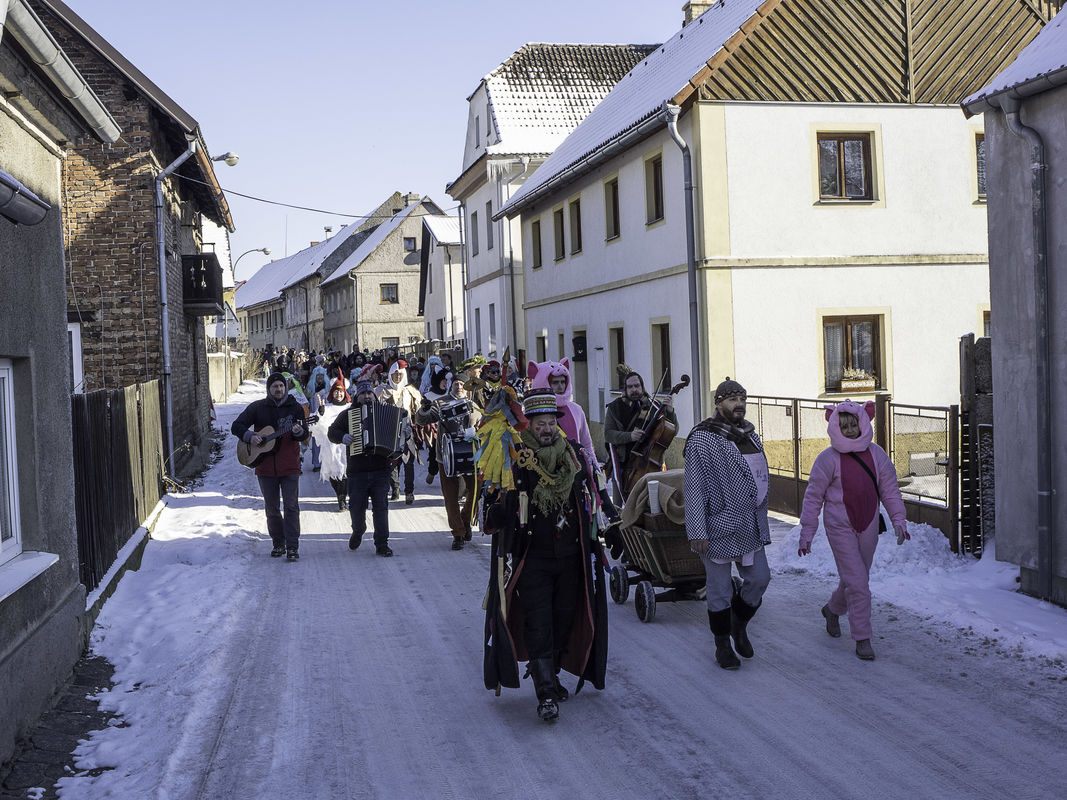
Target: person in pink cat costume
x,y
556,375
847,481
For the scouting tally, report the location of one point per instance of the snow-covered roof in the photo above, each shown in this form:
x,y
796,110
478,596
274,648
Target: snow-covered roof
x,y
370,244
272,278
543,91
1042,65
444,229
642,92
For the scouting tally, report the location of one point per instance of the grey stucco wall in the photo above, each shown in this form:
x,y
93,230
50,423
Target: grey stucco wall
x,y
40,624
1013,330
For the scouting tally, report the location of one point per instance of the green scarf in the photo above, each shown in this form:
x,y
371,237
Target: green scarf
x,y
558,468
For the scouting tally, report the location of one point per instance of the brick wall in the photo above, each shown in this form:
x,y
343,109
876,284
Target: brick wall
x,y
112,273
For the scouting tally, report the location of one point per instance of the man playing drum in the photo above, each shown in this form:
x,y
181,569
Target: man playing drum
x,y
456,418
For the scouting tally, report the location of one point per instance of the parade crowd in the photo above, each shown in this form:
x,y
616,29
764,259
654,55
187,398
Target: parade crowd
x,y
512,453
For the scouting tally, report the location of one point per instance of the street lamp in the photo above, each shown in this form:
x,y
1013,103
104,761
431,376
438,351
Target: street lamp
x,y
264,250
230,159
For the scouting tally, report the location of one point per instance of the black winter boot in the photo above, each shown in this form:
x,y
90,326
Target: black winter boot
x,y
544,679
740,613
720,628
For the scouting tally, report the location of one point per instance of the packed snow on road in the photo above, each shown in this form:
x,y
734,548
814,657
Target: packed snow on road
x,y
346,675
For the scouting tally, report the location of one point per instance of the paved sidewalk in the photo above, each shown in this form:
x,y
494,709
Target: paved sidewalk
x,y
47,755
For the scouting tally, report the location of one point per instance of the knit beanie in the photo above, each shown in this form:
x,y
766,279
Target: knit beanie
x,y
728,388
276,376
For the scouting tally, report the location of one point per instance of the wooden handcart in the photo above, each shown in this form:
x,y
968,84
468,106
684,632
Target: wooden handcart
x,y
657,555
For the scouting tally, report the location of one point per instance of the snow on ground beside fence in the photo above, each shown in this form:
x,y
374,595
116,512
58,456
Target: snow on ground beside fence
x,y
924,576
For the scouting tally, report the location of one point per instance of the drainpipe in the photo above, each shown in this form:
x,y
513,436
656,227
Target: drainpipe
x,y
463,275
524,162
1046,539
161,242
670,115
355,311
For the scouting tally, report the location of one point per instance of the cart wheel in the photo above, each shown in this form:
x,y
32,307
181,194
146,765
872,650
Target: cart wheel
x,y
619,584
645,601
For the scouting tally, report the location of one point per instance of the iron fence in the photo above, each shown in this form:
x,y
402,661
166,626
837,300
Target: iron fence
x,y
922,441
118,470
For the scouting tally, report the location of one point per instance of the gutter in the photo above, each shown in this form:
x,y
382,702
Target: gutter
x,y
586,163
1020,91
18,203
1046,522
35,39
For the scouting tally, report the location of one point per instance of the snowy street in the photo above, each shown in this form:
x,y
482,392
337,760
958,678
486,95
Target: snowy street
x,y
347,675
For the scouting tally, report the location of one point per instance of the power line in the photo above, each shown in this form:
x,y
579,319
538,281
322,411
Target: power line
x,y
308,208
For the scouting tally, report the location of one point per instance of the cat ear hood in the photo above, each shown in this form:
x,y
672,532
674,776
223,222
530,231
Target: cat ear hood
x,y
863,413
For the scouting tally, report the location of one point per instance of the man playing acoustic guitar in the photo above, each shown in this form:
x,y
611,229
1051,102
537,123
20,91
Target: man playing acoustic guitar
x,y
278,470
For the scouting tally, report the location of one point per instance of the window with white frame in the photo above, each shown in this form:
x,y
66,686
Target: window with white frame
x,y
575,209
611,209
558,237
492,328
535,242
10,529
474,233
654,189
489,225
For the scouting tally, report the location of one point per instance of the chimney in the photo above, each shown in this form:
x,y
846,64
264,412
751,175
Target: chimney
x,y
694,10
410,199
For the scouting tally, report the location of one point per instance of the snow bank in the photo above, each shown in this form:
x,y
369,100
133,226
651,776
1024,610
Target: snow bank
x,y
924,576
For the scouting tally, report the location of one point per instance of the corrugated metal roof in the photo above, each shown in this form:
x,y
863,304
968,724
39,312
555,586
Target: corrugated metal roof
x,y
360,254
444,229
543,91
1040,66
642,92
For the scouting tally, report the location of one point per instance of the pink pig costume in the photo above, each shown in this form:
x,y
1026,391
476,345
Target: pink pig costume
x,y
844,491
573,421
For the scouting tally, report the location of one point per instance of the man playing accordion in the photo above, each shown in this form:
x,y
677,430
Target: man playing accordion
x,y
374,434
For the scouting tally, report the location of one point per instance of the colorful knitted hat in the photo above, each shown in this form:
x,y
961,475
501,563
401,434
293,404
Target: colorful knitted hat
x,y
540,401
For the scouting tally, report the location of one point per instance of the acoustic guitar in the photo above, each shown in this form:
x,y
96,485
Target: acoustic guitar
x,y
251,455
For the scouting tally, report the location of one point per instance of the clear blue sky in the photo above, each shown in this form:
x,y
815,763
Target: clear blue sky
x,y
335,104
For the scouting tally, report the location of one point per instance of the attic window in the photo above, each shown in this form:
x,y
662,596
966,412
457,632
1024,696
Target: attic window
x,y
409,244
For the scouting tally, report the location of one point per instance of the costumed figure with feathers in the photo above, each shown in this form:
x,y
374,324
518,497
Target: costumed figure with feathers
x,y
547,598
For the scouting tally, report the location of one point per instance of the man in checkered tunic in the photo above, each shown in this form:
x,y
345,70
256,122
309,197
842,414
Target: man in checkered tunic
x,y
726,482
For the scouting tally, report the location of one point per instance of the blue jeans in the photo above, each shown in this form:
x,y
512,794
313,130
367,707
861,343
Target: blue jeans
x,y
284,532
316,461
374,486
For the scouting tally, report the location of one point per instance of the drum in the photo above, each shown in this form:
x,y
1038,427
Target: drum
x,y
457,456
455,415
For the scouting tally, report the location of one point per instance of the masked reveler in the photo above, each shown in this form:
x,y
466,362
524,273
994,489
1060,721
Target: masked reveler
x,y
546,602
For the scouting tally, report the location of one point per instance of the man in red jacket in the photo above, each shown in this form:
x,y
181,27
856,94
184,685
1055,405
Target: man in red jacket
x,y
279,470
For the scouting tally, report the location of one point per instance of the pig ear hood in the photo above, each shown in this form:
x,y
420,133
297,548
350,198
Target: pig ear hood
x,y
863,413
541,374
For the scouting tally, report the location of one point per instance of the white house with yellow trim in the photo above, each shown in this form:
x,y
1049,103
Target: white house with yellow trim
x,y
839,213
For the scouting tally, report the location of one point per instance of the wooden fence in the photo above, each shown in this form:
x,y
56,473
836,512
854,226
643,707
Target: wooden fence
x,y
118,470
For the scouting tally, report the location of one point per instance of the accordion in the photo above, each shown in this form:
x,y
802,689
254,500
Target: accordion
x,y
376,429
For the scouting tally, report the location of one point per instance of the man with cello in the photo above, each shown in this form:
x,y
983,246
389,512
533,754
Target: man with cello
x,y
629,421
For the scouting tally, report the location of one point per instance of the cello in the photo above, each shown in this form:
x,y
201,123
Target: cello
x,y
647,455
